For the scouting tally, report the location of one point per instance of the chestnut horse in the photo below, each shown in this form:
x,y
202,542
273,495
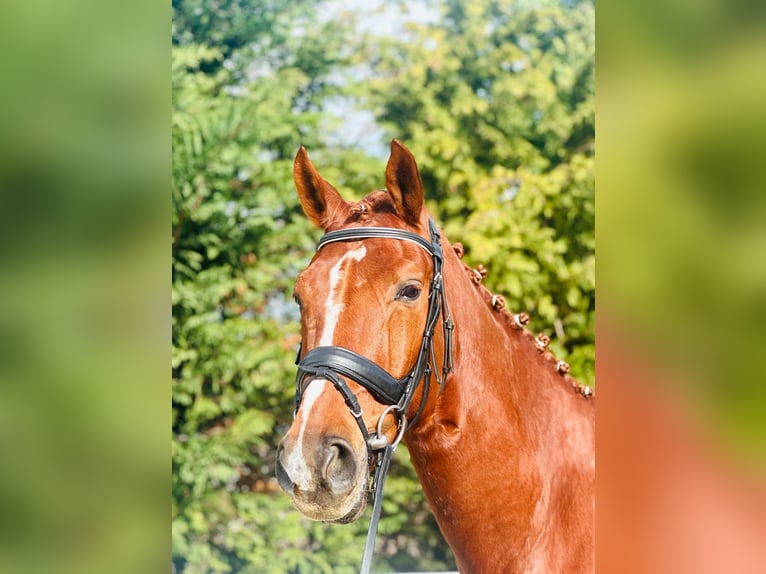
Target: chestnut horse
x,y
504,445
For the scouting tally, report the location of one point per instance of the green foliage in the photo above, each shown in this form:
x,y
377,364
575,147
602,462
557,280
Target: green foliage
x,y
238,241
506,155
496,101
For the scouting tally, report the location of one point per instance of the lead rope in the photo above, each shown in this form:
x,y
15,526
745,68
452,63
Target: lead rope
x,y
378,442
381,469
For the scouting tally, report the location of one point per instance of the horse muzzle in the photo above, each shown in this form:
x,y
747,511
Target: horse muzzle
x,y
326,480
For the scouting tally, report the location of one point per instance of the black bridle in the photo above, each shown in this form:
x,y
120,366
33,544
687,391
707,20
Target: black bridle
x,y
336,363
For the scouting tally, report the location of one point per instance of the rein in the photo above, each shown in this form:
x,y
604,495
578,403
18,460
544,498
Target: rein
x,y
334,363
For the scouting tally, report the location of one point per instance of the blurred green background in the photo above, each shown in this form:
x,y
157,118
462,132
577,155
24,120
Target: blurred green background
x,y
682,206
84,287
496,101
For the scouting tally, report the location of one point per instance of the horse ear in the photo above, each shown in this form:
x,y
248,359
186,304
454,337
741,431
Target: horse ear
x,y
403,183
319,199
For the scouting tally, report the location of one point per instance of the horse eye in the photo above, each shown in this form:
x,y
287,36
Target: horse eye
x,y
297,301
408,293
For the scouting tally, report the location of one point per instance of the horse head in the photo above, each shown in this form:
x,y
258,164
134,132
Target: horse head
x,y
364,301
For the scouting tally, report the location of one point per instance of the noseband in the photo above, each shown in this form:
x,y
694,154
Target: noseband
x,y
336,363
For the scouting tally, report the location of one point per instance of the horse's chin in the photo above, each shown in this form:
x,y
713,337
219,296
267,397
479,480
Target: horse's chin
x,y
353,515
349,511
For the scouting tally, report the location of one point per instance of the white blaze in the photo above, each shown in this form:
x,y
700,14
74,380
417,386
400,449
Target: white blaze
x,y
334,308
296,464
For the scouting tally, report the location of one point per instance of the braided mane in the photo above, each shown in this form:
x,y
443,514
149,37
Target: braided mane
x,y
516,324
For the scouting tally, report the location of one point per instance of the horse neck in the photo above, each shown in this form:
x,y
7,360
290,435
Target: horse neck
x,y
491,444
498,368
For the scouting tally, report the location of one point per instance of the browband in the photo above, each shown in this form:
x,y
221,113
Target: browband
x,y
373,232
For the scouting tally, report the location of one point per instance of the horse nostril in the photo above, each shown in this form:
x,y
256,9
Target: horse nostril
x,y
283,478
339,466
